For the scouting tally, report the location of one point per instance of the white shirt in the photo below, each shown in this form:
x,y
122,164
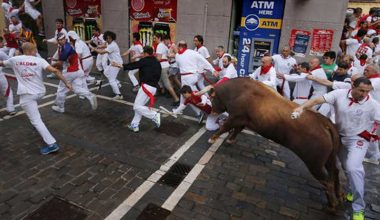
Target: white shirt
x,y
219,61
98,40
15,28
302,86
9,11
375,93
136,50
28,71
359,67
352,119
28,5
163,50
3,56
352,46
114,53
54,39
362,49
203,51
229,72
191,61
268,79
340,85
319,89
82,49
352,71
283,65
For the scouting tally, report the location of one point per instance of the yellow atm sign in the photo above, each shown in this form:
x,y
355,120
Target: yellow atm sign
x,y
267,23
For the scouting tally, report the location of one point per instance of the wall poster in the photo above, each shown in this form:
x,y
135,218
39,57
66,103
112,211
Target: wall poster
x,y
321,41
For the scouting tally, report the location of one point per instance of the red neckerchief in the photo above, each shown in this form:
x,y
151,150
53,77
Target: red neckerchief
x,y
137,43
362,62
357,38
374,76
265,69
221,55
353,100
198,47
59,30
182,50
317,67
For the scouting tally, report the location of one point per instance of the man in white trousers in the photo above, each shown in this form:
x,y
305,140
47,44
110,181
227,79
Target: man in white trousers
x,y
149,75
85,56
355,113
28,70
113,55
284,63
73,73
5,88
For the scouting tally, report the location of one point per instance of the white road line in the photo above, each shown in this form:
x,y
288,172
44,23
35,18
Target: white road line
x,y
185,185
127,204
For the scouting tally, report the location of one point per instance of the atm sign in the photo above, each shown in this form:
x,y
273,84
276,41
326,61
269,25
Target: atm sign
x,y
267,23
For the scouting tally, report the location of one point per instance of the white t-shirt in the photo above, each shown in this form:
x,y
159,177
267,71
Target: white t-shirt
x,y
191,61
359,67
229,72
283,65
54,39
352,46
352,71
364,49
375,93
268,79
203,51
352,118
302,86
319,89
219,61
114,53
82,49
135,51
9,11
99,40
28,71
15,28
340,85
163,50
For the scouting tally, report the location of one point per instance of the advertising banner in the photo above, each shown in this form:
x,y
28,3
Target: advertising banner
x,y
260,30
153,16
299,41
82,16
321,41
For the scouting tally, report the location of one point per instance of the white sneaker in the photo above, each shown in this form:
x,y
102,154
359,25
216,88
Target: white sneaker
x,y
157,120
98,82
118,97
81,97
133,128
94,102
90,79
58,109
119,85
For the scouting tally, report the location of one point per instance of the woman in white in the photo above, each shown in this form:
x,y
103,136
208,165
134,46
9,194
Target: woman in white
x,y
113,54
28,70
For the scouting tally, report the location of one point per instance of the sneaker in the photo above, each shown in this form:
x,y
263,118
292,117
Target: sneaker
x,y
119,85
94,102
58,109
133,128
9,115
118,97
358,215
135,89
176,104
350,197
90,79
157,120
81,97
51,76
201,118
49,149
98,82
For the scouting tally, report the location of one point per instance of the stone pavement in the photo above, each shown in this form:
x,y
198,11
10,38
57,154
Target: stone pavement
x,y
101,163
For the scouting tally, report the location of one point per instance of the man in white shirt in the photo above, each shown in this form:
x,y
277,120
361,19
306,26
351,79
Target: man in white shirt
x,y
135,52
202,50
9,10
162,56
15,26
355,113
364,48
219,51
284,63
352,44
228,71
98,40
85,57
319,90
28,70
36,15
5,88
266,73
113,55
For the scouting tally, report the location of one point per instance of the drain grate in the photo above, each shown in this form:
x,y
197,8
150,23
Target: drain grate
x,y
172,129
153,211
175,174
58,209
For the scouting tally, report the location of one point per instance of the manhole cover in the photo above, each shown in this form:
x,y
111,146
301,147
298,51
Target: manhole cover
x,y
172,129
175,175
153,211
58,209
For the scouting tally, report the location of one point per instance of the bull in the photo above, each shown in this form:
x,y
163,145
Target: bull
x,y
312,137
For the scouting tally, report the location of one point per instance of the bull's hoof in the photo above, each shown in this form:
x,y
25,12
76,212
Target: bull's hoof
x,y
211,140
231,141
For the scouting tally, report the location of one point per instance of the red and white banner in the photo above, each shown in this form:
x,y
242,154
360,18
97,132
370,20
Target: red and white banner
x,y
321,41
153,10
85,8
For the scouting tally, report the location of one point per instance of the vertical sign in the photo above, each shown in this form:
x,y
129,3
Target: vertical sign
x,y
299,41
153,16
321,41
82,16
260,30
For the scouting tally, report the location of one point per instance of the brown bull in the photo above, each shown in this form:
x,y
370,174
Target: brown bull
x,y
312,137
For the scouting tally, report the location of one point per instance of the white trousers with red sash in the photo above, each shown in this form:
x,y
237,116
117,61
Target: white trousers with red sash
x,y
6,91
351,157
139,105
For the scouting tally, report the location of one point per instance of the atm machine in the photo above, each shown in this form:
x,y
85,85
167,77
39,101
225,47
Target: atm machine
x,y
260,32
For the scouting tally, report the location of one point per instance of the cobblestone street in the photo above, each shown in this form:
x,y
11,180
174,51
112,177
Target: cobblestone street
x,y
102,167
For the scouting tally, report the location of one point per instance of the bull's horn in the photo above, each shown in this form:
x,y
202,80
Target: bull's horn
x,y
204,90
